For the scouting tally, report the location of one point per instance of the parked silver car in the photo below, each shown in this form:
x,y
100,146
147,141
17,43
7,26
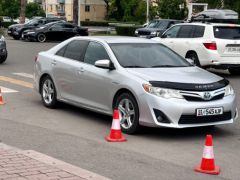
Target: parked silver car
x,y
150,84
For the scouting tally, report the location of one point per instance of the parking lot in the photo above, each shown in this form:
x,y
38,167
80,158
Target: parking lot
x,y
76,136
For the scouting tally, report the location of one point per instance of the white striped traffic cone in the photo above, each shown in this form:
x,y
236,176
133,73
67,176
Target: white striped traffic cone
x,y
207,165
116,133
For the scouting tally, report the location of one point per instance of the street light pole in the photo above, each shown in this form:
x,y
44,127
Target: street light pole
x,y
79,12
147,11
46,9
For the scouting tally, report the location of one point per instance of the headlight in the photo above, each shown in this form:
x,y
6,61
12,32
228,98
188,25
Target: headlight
x,y
136,32
2,38
228,90
163,92
154,33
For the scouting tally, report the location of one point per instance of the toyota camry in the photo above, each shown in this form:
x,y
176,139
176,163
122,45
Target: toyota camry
x,y
150,84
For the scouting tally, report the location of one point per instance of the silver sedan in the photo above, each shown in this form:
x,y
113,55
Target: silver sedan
x,y
150,84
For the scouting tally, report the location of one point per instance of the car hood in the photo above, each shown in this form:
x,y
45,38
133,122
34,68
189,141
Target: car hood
x,y
15,25
190,75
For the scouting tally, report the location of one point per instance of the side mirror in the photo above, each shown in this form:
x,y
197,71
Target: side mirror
x,y
190,61
105,64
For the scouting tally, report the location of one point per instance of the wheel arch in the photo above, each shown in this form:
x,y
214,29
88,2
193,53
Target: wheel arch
x,y
41,79
190,51
121,91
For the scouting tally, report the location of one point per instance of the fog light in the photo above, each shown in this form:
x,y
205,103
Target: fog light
x,y
161,117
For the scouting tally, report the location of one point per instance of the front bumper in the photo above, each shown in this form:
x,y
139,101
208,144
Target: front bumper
x,y
176,109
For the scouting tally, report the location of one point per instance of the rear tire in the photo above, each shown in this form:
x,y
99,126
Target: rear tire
x,y
129,113
48,92
41,37
194,57
234,71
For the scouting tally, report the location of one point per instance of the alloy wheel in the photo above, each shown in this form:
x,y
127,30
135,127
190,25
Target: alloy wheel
x,y
127,113
48,91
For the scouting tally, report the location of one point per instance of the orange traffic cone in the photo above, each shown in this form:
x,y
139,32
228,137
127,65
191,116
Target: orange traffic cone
x,y
1,98
116,133
208,165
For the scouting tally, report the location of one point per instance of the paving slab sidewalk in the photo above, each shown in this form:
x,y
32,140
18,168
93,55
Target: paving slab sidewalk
x,y
16,164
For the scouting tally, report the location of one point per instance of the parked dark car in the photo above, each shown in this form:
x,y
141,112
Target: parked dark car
x,y
57,31
3,50
156,28
16,30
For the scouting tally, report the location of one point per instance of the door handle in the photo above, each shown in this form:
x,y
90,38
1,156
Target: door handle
x,y
54,62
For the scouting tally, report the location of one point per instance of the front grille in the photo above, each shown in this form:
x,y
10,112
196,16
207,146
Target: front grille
x,y
193,119
192,98
145,33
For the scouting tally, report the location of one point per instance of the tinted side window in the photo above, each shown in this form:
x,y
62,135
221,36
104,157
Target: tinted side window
x,y
94,52
198,31
75,50
172,33
61,51
185,32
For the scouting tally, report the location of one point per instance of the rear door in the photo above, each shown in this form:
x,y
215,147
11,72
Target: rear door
x,y
228,40
66,65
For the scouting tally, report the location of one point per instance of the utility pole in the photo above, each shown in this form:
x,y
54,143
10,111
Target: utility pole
x,y
147,12
46,7
79,12
75,11
23,11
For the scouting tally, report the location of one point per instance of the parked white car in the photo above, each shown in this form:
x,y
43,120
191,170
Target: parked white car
x,y
207,44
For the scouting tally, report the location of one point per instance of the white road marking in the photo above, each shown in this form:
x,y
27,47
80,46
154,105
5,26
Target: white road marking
x,y
24,75
7,90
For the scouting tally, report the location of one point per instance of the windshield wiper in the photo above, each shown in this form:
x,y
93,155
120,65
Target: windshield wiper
x,y
134,66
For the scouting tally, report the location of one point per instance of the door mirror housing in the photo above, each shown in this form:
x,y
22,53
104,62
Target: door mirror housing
x,y
105,64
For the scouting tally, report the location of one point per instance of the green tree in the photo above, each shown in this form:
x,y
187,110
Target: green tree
x,y
129,10
10,8
170,9
34,9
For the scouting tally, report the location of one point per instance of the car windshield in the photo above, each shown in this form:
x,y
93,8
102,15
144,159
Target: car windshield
x,y
158,24
227,32
146,55
32,22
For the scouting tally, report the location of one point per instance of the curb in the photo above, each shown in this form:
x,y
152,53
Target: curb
x,y
77,171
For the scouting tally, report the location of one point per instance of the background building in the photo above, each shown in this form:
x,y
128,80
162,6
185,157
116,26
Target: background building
x,y
91,10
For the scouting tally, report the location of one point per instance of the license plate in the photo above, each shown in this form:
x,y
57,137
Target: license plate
x,y
235,50
142,36
9,31
209,111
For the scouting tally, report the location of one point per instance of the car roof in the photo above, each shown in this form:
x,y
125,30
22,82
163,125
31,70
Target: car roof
x,y
117,39
208,24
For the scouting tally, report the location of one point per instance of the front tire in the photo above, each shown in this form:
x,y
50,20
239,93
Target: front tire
x,y
48,92
129,113
41,37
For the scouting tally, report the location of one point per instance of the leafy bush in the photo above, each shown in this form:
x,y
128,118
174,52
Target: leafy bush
x,y
126,30
6,24
2,32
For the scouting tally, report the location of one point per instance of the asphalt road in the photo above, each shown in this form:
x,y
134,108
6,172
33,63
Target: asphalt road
x,y
77,136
